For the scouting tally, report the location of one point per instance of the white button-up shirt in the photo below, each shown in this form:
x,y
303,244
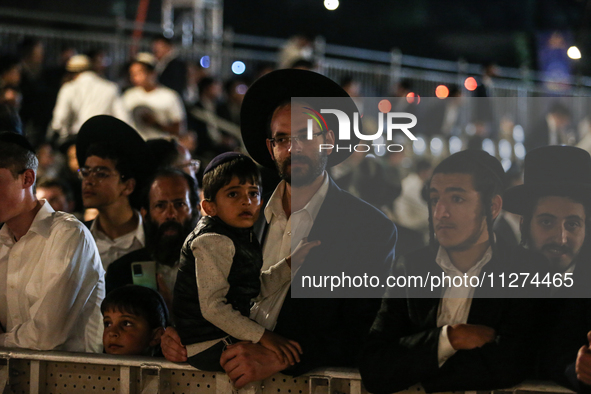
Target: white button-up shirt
x,y
281,240
51,285
111,249
454,307
84,97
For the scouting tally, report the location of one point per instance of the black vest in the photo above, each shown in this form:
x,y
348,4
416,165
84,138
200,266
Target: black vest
x,y
244,280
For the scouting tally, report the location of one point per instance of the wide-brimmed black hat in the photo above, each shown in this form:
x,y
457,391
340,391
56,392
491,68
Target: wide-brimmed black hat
x,y
551,171
277,87
121,137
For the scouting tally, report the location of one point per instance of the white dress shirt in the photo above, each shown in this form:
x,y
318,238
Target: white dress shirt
x,y
455,304
81,99
165,104
52,285
111,249
281,240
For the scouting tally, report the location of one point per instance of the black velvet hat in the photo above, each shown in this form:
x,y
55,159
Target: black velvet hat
x,y
277,87
121,137
551,171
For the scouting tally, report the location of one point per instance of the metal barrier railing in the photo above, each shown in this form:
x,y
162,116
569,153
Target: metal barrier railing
x,y
28,371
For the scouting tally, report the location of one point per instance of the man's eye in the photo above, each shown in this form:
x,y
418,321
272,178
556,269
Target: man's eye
x,y
101,174
572,225
433,201
127,323
546,222
107,324
281,140
180,205
457,199
254,194
160,205
232,194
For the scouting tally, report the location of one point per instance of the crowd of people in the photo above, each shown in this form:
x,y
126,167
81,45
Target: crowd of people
x,y
207,265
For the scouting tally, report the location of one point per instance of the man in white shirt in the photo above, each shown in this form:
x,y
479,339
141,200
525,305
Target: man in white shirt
x,y
157,111
461,340
115,165
51,278
85,96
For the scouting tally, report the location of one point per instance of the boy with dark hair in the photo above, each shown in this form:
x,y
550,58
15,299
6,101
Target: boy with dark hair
x,y
51,278
225,257
115,162
134,318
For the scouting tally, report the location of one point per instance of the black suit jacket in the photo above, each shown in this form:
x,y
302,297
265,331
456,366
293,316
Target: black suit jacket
x,y
331,330
402,347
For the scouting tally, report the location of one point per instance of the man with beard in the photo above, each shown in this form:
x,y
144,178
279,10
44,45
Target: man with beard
x,y
460,338
170,211
554,202
307,203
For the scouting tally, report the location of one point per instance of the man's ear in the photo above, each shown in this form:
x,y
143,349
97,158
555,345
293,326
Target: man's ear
x,y
209,207
129,186
156,335
497,205
270,148
143,212
28,178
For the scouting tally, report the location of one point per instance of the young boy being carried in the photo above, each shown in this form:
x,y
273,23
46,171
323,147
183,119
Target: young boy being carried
x,y
220,269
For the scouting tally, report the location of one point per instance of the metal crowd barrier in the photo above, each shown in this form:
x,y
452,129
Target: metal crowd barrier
x,y
32,372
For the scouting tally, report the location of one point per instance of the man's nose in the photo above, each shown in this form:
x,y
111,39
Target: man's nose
x,y
112,331
171,212
440,210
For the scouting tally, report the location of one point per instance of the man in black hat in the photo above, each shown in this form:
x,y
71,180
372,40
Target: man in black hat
x,y
115,161
51,278
460,340
355,237
554,203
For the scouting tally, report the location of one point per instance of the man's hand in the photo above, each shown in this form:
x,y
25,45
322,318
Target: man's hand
x,y
470,336
246,362
299,254
583,365
286,349
171,345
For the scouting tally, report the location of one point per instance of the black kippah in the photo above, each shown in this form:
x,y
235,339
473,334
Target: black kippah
x,y
221,159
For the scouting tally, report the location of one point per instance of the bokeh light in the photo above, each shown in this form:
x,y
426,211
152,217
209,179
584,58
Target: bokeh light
x,y
205,62
384,106
331,5
470,84
238,67
574,53
441,92
455,145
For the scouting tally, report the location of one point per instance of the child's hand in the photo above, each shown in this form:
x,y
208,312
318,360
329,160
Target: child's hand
x,y
286,349
301,251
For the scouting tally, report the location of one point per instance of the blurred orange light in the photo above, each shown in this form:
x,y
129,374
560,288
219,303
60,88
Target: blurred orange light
x,y
413,98
384,106
441,91
470,83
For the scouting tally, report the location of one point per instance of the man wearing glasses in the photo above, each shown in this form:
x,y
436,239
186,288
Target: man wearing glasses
x,y
116,162
51,278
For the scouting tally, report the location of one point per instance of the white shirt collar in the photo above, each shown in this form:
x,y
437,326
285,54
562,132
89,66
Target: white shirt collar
x,y
41,224
124,240
275,204
442,259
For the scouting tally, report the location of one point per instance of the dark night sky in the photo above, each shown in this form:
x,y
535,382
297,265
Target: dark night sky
x,y
475,30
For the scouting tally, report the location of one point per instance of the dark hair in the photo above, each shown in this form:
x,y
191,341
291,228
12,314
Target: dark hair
x,y
406,84
140,301
242,167
16,158
205,83
166,40
529,214
63,186
302,63
172,173
282,104
7,62
486,182
110,151
165,152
